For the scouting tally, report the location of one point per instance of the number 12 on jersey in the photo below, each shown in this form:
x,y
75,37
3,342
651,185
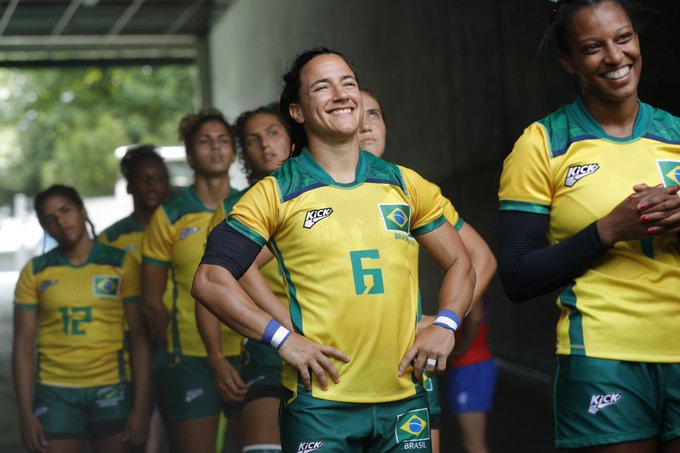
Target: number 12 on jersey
x,y
72,317
365,276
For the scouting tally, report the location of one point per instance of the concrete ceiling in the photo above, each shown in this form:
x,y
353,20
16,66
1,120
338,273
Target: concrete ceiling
x,y
68,32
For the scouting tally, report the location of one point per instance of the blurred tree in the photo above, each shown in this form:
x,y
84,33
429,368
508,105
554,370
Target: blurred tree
x,y
62,125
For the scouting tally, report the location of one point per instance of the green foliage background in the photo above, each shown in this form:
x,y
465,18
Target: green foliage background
x,y
61,125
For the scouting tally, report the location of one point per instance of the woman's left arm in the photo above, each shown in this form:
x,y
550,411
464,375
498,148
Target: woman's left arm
x,y
446,248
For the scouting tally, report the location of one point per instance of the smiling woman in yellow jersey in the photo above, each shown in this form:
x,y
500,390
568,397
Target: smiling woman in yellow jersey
x,y
589,206
77,298
171,248
340,223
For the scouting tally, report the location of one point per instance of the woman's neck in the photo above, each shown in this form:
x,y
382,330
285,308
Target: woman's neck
x,y
616,118
338,159
212,190
78,253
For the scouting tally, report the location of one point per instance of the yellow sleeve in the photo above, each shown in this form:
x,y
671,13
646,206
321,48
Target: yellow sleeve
x,y
25,293
132,291
158,240
526,181
427,214
257,214
217,218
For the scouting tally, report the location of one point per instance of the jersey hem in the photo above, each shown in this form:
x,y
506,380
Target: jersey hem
x,y
159,263
429,227
524,206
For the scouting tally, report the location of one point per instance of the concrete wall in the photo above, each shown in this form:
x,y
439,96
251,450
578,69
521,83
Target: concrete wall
x,y
458,80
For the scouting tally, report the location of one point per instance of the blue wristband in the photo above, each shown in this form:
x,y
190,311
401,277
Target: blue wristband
x,y
447,319
275,334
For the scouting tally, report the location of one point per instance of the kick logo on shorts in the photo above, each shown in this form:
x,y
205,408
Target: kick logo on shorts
x,y
670,172
412,426
192,394
310,446
600,401
396,217
107,286
576,172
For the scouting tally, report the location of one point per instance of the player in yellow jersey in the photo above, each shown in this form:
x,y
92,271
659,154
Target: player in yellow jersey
x,y
148,184
340,223
76,299
589,206
265,144
373,138
172,247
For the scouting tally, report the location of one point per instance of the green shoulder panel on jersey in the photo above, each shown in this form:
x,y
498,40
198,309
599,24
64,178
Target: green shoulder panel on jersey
x,y
106,255
566,125
185,202
302,174
663,127
121,227
49,259
380,171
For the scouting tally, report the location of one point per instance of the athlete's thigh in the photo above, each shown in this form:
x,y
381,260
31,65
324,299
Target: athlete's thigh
x,y
260,420
310,424
195,435
599,402
65,445
112,443
402,426
188,390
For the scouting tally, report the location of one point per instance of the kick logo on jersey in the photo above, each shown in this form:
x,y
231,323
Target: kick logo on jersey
x,y
107,286
46,284
412,426
310,446
396,217
670,172
316,215
188,232
600,401
577,172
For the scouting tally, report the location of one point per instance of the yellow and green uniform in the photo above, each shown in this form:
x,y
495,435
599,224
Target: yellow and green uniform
x,y
625,306
175,239
80,315
126,234
343,251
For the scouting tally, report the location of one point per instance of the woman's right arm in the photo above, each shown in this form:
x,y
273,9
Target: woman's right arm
x,y
154,281
23,348
529,267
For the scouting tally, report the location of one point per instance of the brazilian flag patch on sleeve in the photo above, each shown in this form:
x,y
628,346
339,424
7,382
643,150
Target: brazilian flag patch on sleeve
x,y
107,286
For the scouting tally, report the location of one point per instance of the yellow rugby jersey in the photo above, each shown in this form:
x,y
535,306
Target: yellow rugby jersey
x,y
344,249
80,315
627,305
270,271
126,234
175,238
